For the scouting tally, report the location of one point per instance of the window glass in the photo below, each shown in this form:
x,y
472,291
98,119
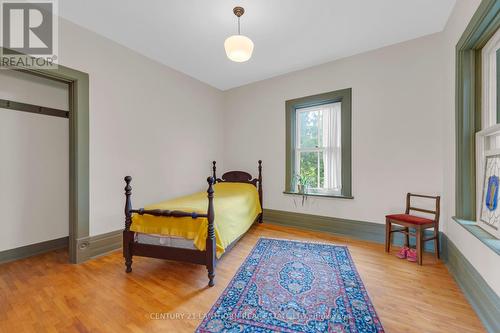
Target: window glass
x,y
498,85
318,148
312,166
490,73
309,124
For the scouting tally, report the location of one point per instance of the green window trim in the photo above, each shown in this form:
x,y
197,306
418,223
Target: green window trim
x,y
344,96
482,26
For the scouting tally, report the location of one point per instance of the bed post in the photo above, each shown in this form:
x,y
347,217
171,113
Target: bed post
x,y
127,234
214,174
260,192
210,244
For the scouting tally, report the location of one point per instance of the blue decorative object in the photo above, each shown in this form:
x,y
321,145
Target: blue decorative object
x,y
290,286
492,193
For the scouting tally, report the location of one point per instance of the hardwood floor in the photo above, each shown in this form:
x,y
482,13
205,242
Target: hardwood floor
x,y
46,294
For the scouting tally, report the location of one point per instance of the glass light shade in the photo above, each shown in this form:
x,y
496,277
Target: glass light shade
x,y
239,48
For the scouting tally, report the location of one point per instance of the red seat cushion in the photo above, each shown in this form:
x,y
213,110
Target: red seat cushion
x,y
409,218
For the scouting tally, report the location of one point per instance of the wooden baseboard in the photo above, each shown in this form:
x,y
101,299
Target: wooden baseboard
x,y
483,299
95,246
374,232
87,247
33,249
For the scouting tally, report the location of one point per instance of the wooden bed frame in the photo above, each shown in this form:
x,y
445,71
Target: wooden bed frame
x,y
207,257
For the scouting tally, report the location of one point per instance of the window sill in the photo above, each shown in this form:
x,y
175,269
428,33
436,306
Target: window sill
x,y
338,196
489,240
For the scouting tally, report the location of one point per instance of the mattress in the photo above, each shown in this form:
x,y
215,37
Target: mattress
x,y
161,240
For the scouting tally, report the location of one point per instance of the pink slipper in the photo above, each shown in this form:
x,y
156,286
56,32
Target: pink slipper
x,y
411,255
402,254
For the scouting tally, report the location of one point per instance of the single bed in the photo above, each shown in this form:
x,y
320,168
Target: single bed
x,y
197,228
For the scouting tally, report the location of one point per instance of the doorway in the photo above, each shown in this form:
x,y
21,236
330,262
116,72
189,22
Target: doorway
x,y
78,145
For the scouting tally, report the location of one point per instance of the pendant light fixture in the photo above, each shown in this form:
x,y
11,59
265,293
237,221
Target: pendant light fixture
x,y
238,48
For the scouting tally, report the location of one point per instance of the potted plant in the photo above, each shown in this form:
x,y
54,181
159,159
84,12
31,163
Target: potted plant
x,y
302,183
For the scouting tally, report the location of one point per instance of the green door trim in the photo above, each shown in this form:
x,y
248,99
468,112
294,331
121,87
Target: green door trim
x,y
78,152
482,26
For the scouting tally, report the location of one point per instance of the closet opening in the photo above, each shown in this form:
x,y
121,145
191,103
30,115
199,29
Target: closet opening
x,y
44,163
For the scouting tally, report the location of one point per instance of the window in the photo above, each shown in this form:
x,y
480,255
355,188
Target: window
x,y
473,138
488,141
318,147
319,144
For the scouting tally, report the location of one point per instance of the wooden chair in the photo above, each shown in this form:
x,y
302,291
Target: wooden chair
x,y
415,222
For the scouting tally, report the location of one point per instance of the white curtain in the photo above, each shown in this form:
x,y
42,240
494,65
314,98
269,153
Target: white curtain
x,y
331,125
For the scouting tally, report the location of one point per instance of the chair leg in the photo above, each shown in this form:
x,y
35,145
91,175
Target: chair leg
x,y
436,246
419,246
407,237
388,236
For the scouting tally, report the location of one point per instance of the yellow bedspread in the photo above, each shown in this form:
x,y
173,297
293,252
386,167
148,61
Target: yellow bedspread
x,y
236,206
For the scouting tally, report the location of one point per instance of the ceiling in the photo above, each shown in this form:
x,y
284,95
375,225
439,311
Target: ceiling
x,y
188,35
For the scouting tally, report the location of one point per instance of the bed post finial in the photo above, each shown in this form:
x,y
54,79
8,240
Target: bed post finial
x,y
214,174
260,192
210,243
127,234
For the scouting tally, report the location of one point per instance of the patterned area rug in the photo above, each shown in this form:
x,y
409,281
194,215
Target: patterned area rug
x,y
291,286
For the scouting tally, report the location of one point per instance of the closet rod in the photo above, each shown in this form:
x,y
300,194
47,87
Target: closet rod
x,y
11,105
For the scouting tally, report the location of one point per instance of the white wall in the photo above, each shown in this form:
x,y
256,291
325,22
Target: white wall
x,y
146,120
34,170
486,262
396,128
